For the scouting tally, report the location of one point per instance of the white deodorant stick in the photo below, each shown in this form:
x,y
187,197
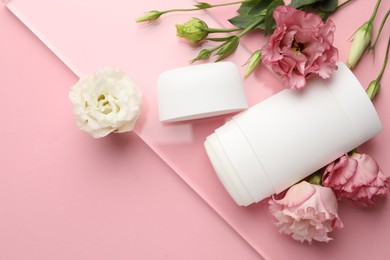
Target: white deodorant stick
x,y
290,135
200,91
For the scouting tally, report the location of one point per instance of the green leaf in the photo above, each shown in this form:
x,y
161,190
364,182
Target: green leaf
x,y
203,5
245,20
328,5
269,21
299,3
247,6
323,15
228,49
254,6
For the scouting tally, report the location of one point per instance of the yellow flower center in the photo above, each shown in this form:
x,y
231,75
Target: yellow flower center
x,y
297,46
108,104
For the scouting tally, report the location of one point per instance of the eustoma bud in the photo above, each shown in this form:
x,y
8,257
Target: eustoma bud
x,y
194,30
149,16
361,41
253,61
373,89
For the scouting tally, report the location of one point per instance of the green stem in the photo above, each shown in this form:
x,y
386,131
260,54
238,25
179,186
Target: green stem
x,y
227,4
375,11
341,5
251,27
222,30
197,8
380,29
384,62
219,46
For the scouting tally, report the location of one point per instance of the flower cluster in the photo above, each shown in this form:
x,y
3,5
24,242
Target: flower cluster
x,y
300,45
308,210
354,177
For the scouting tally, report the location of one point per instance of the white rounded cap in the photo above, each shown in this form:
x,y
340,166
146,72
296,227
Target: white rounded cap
x,y
200,91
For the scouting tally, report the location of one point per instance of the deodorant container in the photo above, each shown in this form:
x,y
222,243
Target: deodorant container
x,y
290,135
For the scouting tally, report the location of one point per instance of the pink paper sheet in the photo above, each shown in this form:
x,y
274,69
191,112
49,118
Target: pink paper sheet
x,y
87,35
65,196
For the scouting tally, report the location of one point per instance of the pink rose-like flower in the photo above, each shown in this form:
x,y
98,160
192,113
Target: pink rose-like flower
x,y
357,178
301,46
307,212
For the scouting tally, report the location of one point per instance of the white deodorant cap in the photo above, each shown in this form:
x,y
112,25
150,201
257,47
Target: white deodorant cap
x,y
290,135
200,91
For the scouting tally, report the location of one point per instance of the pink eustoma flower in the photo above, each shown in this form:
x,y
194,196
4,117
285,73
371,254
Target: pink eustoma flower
x,y
356,178
307,212
300,47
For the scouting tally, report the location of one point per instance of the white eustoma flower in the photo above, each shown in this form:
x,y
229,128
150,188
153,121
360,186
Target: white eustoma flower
x,y
106,101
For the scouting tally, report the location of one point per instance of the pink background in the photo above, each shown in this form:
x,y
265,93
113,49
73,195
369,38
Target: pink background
x,y
68,196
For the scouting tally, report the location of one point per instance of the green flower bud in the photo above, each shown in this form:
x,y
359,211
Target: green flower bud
x,y
203,54
149,16
194,30
373,89
361,41
253,61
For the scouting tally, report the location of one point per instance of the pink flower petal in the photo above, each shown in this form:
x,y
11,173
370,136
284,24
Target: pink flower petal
x,y
357,178
297,194
366,172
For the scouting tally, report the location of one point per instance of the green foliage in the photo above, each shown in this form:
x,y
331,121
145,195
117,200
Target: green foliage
x,y
252,14
323,5
220,39
257,10
243,21
269,19
327,5
254,6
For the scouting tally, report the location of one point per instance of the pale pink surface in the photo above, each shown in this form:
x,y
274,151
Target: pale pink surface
x,y
67,196
252,222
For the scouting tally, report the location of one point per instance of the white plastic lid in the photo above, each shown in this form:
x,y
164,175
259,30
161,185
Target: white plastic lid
x,y
200,91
